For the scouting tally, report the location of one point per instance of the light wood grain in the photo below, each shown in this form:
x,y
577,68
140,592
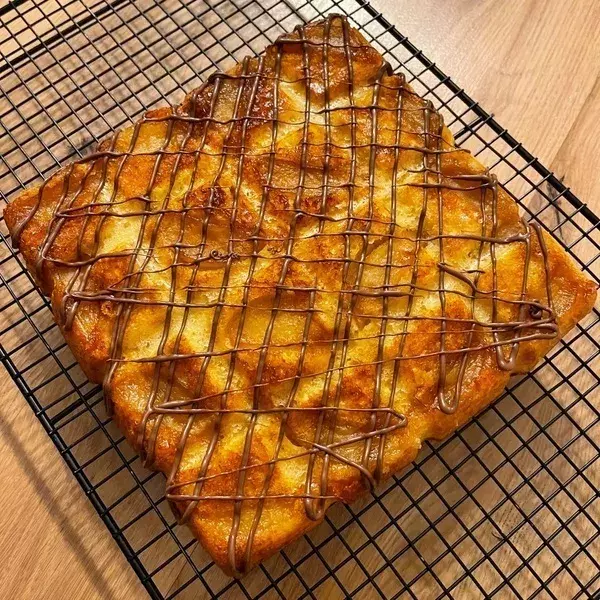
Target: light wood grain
x,y
535,65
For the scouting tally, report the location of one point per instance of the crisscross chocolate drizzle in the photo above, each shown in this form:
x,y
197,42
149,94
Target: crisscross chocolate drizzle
x,y
309,212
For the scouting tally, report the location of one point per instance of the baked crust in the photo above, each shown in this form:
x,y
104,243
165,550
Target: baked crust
x,y
301,250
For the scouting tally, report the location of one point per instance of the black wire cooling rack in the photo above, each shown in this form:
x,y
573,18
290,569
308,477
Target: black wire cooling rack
x,y
508,507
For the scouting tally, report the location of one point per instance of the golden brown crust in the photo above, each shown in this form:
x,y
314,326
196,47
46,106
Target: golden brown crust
x,y
362,224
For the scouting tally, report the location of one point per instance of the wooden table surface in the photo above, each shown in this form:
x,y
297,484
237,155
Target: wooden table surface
x,y
534,63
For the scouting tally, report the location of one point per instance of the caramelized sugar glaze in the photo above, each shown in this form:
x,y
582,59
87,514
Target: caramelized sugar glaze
x,y
289,281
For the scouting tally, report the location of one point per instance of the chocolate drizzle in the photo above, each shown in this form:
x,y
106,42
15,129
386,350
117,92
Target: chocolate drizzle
x,y
373,258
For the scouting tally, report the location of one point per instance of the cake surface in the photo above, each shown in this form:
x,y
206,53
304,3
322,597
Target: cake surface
x,y
289,281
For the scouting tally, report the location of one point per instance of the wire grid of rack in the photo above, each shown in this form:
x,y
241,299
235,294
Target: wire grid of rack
x,y
507,507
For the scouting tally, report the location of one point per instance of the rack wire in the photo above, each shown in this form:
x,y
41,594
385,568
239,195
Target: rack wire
x,y
507,507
